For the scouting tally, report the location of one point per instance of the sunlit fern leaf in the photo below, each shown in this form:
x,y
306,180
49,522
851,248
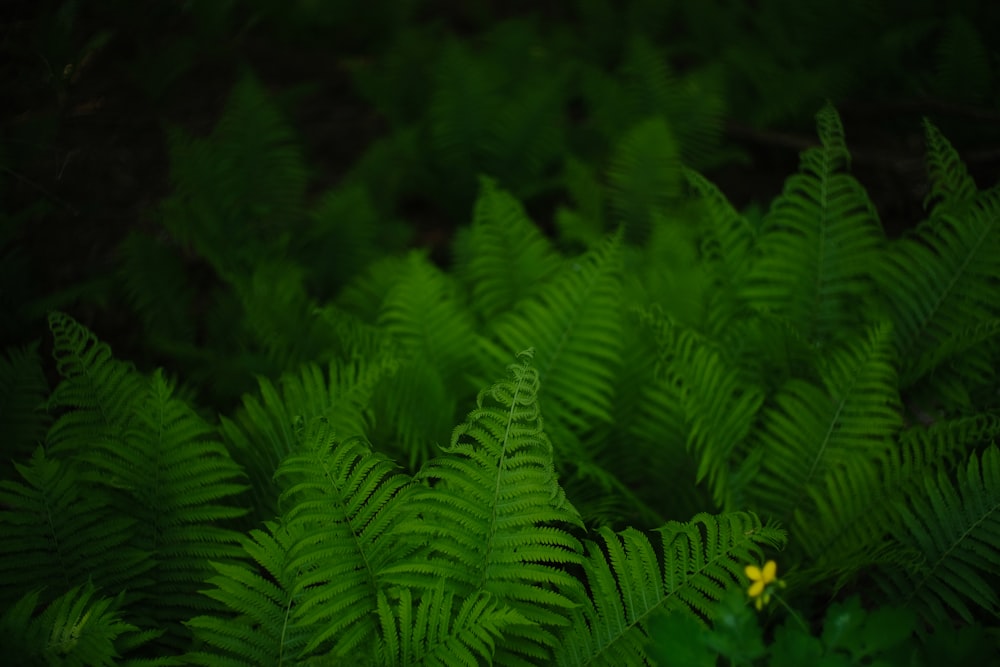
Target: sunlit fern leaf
x,y
645,176
346,503
818,243
260,626
23,419
574,324
502,256
100,392
812,430
60,532
436,631
950,182
629,581
954,525
496,518
942,280
77,629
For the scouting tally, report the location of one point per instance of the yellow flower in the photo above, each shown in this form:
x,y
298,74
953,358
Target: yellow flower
x,y
762,578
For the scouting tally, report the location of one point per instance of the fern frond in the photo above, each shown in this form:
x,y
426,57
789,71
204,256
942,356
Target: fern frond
x,y
433,632
950,182
942,280
260,628
77,629
813,430
629,581
23,389
346,502
574,324
496,518
101,392
645,176
423,314
855,511
183,486
59,532
954,525
719,403
267,428
818,242
502,256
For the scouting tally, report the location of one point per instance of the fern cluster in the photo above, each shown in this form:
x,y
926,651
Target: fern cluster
x,y
692,390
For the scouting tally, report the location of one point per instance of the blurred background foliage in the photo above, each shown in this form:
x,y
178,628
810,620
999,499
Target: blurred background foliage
x,y
192,179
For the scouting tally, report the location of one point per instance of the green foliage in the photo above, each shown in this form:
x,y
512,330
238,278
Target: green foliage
x,y
690,373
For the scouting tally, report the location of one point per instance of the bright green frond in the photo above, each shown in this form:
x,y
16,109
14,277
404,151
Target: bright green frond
x,y
268,426
260,628
346,502
437,632
818,242
629,581
495,515
953,525
574,324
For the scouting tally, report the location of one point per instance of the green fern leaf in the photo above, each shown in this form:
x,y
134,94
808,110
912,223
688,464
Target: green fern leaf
x,y
941,281
346,502
950,180
645,176
574,324
266,428
433,633
495,516
261,627
502,256
719,404
59,532
78,629
813,430
817,244
101,392
630,581
954,528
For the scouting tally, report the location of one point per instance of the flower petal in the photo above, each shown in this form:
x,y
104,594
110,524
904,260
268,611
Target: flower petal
x,y
756,589
770,572
753,573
